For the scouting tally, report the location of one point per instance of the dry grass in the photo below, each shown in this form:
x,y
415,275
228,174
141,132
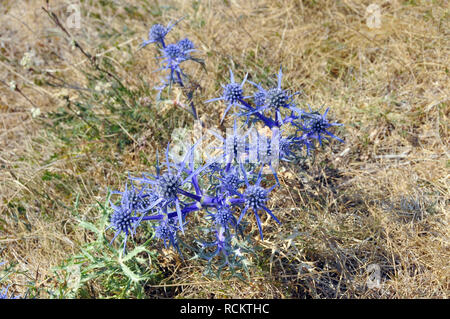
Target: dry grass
x,y
382,197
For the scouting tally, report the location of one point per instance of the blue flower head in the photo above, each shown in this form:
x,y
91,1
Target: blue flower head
x,y
259,97
186,45
316,126
233,94
168,185
121,219
224,216
139,199
173,53
158,34
230,181
167,232
255,197
273,100
124,218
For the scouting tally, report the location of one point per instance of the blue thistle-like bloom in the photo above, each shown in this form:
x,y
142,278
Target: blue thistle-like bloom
x,y
232,94
224,216
157,33
186,46
230,181
172,56
167,232
276,98
255,198
139,199
273,100
316,126
169,184
124,218
173,53
259,97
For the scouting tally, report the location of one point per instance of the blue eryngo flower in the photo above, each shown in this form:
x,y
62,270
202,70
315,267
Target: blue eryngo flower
x,y
259,97
233,94
140,199
230,181
255,198
224,217
167,232
172,56
124,218
186,46
316,126
169,185
274,99
158,34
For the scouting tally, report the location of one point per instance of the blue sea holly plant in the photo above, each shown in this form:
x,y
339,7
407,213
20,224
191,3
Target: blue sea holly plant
x,y
173,57
229,193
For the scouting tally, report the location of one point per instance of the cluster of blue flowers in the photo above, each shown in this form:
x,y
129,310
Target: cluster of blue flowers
x,y
172,56
230,189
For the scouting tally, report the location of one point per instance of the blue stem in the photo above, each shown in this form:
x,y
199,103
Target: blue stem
x,y
268,121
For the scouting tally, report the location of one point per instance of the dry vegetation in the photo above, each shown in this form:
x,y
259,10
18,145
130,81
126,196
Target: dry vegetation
x,y
380,198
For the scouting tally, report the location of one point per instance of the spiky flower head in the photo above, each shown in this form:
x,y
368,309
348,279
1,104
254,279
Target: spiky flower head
x,y
157,33
233,93
315,126
167,232
255,197
276,98
168,185
173,52
259,98
186,45
224,216
231,181
121,219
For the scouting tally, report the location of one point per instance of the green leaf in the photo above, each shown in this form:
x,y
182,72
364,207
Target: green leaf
x,y
133,253
89,226
130,274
